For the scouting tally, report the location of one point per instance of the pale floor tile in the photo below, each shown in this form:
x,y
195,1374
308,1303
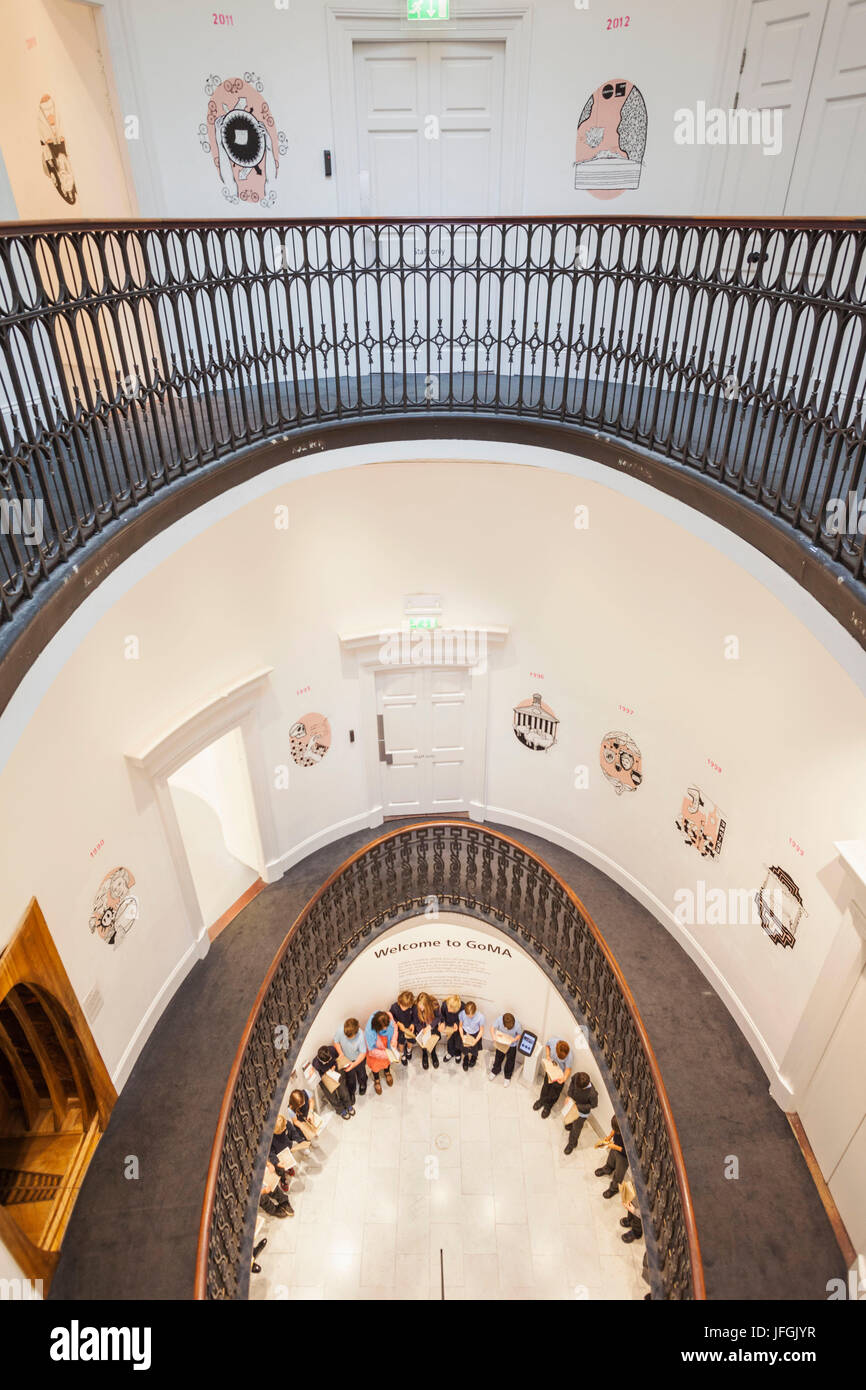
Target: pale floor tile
x,y
481,1275
446,1238
478,1220
509,1198
514,1252
378,1257
380,1201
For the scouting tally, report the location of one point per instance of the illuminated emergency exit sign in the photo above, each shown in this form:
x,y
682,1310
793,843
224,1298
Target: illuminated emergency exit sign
x,y
427,9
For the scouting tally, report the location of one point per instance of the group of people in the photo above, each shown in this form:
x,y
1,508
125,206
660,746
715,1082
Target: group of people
x,y
390,1037
581,1100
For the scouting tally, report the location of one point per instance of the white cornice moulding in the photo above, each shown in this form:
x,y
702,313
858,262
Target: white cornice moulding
x,y
853,856
200,727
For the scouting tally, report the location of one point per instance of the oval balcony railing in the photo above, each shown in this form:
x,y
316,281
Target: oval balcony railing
x,y
137,359
491,877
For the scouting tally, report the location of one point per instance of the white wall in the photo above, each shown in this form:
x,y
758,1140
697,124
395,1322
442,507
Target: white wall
x,y
52,47
673,55
452,954
634,611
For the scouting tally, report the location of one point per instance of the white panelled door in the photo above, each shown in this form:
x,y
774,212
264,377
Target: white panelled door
x,y
429,128
781,49
829,177
423,724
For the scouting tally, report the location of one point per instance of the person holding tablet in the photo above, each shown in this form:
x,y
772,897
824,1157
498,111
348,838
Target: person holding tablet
x,y
471,1033
506,1035
403,1014
449,1026
381,1038
557,1066
427,1017
351,1048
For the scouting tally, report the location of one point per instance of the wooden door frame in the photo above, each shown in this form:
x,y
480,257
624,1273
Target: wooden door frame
x,y
509,25
32,959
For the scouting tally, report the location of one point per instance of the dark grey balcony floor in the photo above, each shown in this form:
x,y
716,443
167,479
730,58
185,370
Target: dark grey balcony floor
x,y
764,1236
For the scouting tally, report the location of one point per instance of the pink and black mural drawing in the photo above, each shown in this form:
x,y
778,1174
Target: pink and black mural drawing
x,y
115,907
620,760
701,823
611,140
309,739
241,137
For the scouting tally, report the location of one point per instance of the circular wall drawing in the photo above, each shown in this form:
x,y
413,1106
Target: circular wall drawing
x,y
114,908
241,136
535,724
309,739
620,761
611,139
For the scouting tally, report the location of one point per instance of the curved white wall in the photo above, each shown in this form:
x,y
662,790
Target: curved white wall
x,y
635,612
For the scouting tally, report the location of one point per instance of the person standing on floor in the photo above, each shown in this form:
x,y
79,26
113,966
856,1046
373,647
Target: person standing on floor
x,y
557,1052
585,1097
381,1037
617,1162
427,1016
403,1014
337,1093
506,1025
471,1033
449,1027
351,1048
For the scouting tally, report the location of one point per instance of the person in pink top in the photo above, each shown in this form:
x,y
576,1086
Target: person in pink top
x,y
381,1034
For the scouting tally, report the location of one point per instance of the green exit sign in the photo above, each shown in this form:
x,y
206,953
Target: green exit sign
x,y
427,9
424,622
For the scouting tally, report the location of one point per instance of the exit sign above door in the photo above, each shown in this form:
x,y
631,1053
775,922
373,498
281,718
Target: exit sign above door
x,y
427,9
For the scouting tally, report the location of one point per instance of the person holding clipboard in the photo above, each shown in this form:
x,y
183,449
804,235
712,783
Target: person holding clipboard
x,y
506,1035
471,1033
403,1014
427,1028
381,1038
336,1090
557,1066
351,1048
449,1026
617,1162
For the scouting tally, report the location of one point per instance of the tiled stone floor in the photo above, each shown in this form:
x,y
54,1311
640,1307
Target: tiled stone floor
x,y
457,1163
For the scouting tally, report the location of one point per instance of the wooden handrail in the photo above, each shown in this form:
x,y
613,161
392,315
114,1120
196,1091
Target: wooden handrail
x,y
696,1265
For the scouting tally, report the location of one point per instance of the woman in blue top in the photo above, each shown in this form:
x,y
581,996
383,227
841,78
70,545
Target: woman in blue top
x,y
381,1035
471,1033
557,1051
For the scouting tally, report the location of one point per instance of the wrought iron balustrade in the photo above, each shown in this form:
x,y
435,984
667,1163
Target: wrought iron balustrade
x,y
492,877
135,357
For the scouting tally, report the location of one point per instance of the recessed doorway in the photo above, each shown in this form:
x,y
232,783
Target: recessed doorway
x,y
423,730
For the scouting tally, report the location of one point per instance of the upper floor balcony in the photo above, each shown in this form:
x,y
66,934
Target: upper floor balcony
x,y
145,366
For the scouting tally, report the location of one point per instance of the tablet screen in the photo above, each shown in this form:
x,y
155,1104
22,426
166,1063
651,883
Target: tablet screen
x,y
526,1046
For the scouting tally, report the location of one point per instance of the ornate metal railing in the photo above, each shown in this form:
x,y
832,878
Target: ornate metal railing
x,y
490,876
134,356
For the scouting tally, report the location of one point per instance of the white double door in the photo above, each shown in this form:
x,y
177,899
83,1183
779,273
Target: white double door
x,y
423,728
429,128
807,60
